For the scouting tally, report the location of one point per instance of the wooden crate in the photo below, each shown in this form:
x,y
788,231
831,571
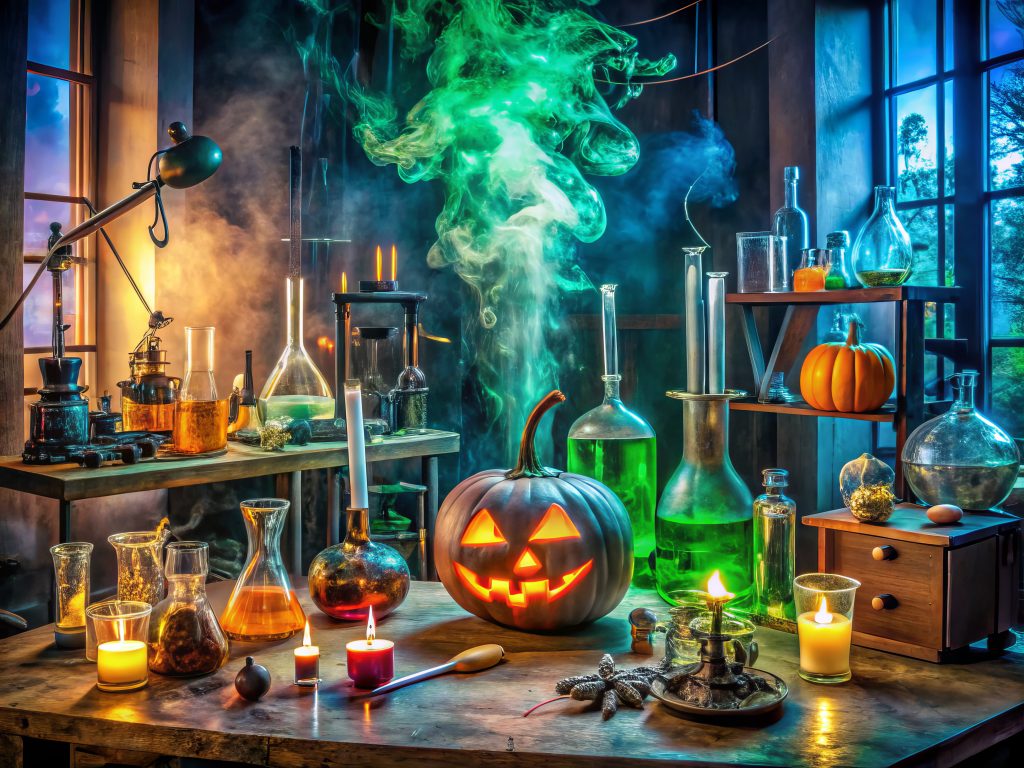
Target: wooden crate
x,y
926,590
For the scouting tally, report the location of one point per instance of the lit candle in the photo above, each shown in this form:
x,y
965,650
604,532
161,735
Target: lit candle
x,y
717,596
344,283
380,265
307,661
121,665
693,298
716,332
824,642
371,662
394,262
356,444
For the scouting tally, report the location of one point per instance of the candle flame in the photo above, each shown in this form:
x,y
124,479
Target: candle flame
x,y
344,283
371,628
324,342
380,265
717,589
394,262
306,639
823,616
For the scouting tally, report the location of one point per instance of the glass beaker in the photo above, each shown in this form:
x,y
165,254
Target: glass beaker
x,y
184,635
882,254
373,360
71,577
122,629
961,457
761,263
617,447
704,519
774,547
200,419
140,564
814,266
263,605
824,625
296,389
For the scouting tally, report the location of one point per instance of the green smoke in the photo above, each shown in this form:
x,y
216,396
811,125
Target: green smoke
x,y
513,121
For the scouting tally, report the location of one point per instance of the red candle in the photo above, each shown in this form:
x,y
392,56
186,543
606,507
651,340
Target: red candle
x,y
371,662
307,661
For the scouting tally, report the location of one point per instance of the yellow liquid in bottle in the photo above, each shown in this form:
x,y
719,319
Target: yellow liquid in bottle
x,y
263,613
200,425
142,417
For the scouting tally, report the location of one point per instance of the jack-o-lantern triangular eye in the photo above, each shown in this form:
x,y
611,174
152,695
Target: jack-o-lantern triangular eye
x,y
482,530
555,525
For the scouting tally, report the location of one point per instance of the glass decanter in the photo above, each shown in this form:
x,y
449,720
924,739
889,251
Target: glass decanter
x,y
263,605
790,222
961,457
774,547
200,418
615,446
704,519
882,254
296,389
184,635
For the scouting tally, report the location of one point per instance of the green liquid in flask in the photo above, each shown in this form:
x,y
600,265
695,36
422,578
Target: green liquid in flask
x,y
689,552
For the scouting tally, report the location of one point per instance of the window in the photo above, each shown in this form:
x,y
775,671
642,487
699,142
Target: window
x,y
58,168
944,65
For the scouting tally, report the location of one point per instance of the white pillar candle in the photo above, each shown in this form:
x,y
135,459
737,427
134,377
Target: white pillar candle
x,y
356,444
716,332
121,662
824,642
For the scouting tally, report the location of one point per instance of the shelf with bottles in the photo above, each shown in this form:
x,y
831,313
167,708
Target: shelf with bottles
x,y
937,293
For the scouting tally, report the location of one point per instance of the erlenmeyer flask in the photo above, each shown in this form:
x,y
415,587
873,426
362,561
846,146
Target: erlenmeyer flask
x,y
296,389
263,605
200,418
615,446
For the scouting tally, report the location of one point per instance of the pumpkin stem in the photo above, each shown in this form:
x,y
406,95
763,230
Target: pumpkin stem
x,y
853,337
528,465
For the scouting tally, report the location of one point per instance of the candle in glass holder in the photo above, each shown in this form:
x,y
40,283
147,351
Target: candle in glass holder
x,y
824,606
307,661
371,662
122,650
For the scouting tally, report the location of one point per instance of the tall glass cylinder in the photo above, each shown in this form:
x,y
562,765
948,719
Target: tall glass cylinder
x,y
704,518
774,548
296,389
71,575
200,419
617,447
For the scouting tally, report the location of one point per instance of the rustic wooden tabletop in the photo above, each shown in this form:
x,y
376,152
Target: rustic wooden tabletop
x,y
895,710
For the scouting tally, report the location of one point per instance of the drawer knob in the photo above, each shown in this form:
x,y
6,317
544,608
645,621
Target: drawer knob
x,y
884,552
884,602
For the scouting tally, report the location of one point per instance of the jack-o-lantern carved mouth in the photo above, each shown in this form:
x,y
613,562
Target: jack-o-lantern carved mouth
x,y
520,594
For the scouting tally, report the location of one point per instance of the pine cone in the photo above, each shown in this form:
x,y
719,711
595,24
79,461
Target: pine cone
x,y
606,669
587,691
628,694
609,704
566,685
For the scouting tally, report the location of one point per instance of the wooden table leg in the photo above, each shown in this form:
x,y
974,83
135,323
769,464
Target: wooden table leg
x,y
295,492
64,522
11,751
428,477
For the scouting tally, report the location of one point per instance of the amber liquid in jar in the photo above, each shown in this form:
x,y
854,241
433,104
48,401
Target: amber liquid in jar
x,y
144,417
809,279
200,425
263,613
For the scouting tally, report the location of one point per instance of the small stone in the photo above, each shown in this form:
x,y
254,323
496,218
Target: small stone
x,y
945,514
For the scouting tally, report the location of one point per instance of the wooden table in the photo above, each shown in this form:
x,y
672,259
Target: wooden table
x,y
895,711
69,483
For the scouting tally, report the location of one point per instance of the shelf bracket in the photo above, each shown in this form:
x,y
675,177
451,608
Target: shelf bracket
x,y
796,324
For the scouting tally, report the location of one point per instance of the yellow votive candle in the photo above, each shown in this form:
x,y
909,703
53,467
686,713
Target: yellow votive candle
x,y
121,665
824,642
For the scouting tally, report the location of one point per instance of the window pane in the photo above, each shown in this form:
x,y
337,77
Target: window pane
x,y
915,40
1006,126
915,143
947,160
49,32
948,32
950,252
1005,23
38,215
1008,389
48,136
38,311
922,224
1008,267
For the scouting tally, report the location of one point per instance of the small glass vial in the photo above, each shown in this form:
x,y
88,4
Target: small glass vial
x,y
774,547
814,266
838,244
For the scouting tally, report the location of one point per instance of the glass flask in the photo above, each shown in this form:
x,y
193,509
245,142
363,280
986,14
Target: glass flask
x,y
704,519
296,389
263,605
184,636
814,266
373,357
200,419
71,577
148,396
790,222
774,548
882,254
961,457
838,244
615,446
866,485
140,564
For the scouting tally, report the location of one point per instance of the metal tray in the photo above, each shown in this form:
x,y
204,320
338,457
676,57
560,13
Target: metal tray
x,y
764,704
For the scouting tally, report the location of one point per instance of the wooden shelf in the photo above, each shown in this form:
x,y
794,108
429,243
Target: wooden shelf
x,y
886,415
935,293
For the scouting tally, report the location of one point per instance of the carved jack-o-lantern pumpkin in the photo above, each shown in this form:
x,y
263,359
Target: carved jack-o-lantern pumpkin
x,y
532,547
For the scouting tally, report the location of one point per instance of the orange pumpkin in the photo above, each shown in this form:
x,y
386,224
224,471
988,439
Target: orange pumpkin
x,y
848,377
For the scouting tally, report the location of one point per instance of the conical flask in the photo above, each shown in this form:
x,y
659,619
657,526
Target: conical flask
x,y
617,447
263,605
296,389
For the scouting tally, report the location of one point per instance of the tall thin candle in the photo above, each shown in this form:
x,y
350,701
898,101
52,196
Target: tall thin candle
x,y
356,444
716,332
693,298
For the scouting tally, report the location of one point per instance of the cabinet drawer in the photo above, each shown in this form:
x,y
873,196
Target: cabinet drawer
x,y
915,578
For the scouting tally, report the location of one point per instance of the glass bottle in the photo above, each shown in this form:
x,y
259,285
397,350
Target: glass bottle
x,y
373,355
140,564
774,547
71,576
200,419
704,519
838,244
790,222
882,254
961,457
814,265
184,635
263,605
247,423
617,447
296,389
